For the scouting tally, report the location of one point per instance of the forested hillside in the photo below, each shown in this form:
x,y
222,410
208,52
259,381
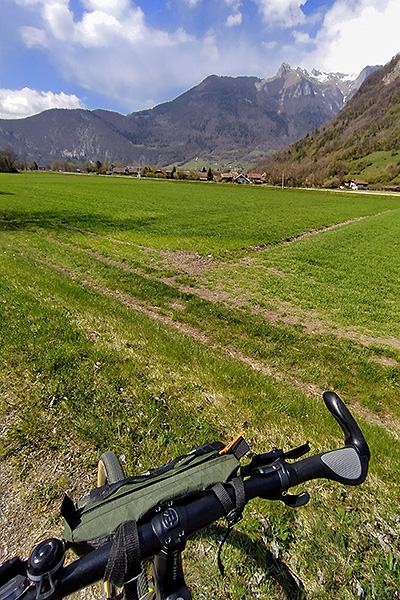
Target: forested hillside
x,y
362,141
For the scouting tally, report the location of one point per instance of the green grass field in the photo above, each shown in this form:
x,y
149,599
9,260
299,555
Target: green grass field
x,y
148,317
376,167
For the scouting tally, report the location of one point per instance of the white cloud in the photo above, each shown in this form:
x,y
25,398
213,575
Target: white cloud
x,y
234,4
285,13
16,104
356,34
32,36
270,45
99,29
112,7
59,19
210,47
110,47
233,20
301,37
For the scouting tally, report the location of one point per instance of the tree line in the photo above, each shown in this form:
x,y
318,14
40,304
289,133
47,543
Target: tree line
x,y
8,160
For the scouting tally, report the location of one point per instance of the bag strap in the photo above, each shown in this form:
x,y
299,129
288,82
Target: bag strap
x,y
233,509
124,559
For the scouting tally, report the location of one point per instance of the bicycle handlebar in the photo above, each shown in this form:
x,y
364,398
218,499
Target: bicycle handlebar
x,y
347,465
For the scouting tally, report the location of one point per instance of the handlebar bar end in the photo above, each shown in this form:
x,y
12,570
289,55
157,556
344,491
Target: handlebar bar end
x,y
352,432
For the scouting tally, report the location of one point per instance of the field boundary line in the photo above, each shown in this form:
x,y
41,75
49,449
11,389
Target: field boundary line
x,y
316,231
256,248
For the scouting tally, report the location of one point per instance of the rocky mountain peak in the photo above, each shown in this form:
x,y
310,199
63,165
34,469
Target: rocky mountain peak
x,y
283,70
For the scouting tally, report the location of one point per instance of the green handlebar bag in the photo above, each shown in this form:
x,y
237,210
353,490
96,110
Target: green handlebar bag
x,y
99,513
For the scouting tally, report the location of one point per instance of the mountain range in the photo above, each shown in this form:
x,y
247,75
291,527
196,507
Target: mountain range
x,y
361,142
222,120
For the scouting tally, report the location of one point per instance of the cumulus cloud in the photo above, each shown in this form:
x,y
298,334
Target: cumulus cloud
x,y
356,34
16,104
301,37
112,48
102,24
285,13
59,19
233,20
118,53
113,7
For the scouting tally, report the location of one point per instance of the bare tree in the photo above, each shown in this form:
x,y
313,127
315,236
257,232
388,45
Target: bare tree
x,y
8,159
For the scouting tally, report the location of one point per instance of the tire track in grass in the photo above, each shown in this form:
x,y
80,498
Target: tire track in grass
x,y
152,312
316,231
388,421
312,324
257,248
195,264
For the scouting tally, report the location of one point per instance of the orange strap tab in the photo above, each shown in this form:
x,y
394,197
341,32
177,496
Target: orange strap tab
x,y
229,446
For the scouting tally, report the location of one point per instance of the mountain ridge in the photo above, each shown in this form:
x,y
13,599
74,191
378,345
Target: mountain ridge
x,y
221,120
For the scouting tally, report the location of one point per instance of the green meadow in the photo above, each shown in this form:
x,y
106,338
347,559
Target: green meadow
x,y
149,317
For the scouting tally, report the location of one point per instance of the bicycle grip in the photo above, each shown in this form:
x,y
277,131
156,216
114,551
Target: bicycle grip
x,y
348,465
351,430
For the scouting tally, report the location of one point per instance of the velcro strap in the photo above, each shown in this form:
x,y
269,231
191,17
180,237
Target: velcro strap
x,y
240,495
124,559
233,509
224,498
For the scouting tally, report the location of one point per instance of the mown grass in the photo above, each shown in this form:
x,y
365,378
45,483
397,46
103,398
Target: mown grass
x,y
323,360
177,215
86,371
350,275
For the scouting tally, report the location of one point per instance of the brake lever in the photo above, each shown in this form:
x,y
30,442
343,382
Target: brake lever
x,y
297,452
295,500
267,459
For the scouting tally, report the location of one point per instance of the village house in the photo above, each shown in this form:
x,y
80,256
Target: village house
x,y
257,178
358,184
228,176
119,171
132,170
241,179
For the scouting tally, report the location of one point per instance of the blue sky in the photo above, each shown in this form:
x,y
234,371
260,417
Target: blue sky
x,y
127,55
